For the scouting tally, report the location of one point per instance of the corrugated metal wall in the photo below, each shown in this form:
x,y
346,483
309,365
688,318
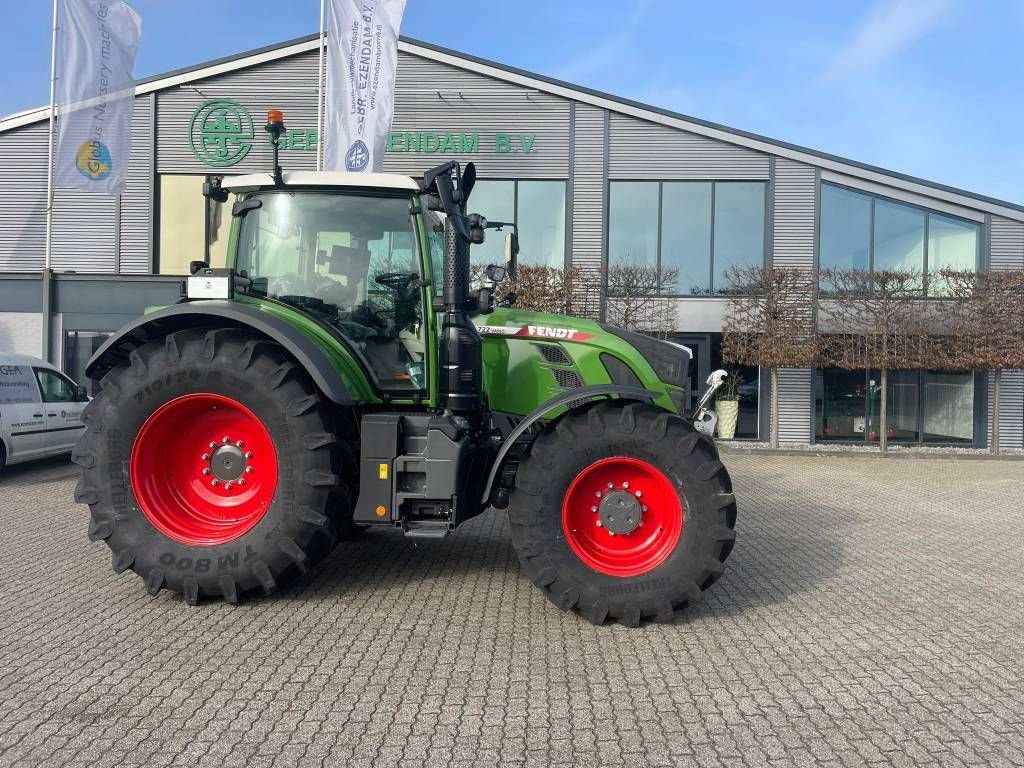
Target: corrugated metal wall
x,y
286,84
795,404
23,198
429,97
439,98
83,231
136,243
793,192
1006,240
793,235
643,150
588,187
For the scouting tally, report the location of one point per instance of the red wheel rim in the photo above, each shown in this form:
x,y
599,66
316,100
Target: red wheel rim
x,y
204,469
622,516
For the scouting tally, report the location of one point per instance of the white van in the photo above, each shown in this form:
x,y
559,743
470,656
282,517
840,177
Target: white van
x,y
40,409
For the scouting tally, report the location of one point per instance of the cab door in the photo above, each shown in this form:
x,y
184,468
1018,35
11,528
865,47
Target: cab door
x,y
63,410
22,418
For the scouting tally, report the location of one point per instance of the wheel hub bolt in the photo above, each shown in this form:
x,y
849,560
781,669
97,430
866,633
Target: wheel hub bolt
x,y
239,444
597,494
227,486
638,494
241,481
206,457
206,470
215,483
225,439
598,523
593,509
213,445
625,485
248,454
248,470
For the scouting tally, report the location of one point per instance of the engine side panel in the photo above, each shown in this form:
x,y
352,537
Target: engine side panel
x,y
531,357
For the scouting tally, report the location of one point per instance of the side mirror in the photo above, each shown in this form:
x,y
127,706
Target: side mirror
x,y
467,183
81,394
511,254
495,274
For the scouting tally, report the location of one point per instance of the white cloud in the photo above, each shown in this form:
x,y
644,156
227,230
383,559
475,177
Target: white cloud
x,y
890,28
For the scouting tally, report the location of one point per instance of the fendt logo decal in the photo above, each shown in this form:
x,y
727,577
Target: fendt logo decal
x,y
536,331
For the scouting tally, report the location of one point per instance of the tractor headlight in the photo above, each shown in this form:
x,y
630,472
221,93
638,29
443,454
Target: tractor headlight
x,y
670,361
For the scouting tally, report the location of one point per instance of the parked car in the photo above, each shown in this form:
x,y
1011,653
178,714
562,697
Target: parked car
x,y
40,409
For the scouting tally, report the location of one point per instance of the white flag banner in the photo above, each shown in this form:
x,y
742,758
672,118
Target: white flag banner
x,y
362,56
95,93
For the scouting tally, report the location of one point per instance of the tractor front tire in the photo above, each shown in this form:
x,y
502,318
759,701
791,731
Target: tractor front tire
x,y
622,512
209,466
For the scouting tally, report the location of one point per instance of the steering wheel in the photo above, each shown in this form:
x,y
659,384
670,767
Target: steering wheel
x,y
396,281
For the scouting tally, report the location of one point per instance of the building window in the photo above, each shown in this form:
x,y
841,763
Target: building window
x,y
699,228
922,406
538,210
191,227
861,231
79,347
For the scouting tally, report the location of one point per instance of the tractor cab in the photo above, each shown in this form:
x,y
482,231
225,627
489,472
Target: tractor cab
x,y
347,250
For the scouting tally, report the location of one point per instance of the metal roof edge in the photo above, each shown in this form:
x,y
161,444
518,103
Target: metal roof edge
x,y
580,93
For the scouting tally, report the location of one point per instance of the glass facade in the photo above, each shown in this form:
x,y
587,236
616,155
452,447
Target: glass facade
x,y
700,228
922,406
537,208
862,231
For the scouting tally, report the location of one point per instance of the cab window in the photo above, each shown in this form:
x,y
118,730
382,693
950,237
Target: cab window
x,y
350,261
56,388
17,385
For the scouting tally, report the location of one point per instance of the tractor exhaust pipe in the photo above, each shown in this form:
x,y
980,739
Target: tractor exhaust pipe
x,y
461,360
461,363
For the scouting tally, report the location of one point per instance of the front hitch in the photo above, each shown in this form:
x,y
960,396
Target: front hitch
x,y
705,420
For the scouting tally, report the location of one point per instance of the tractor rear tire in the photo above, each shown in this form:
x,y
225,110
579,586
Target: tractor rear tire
x,y
210,466
623,513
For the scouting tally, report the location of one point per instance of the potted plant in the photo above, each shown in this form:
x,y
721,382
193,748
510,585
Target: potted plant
x,y
727,405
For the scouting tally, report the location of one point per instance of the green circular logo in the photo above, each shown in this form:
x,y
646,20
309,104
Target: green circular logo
x,y
220,133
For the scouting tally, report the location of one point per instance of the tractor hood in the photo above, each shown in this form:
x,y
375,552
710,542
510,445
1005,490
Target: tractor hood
x,y
530,357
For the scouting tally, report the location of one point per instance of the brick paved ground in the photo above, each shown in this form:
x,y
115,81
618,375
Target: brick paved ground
x,y
872,613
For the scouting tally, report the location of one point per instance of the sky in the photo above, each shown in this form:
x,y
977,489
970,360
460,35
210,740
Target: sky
x,y
926,87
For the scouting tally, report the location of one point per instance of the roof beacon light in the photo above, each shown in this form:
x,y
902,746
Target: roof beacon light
x,y
275,127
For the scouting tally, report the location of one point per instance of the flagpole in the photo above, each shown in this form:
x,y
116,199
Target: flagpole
x,y
319,97
47,274
49,152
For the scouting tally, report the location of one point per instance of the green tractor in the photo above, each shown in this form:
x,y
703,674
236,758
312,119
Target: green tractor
x,y
342,374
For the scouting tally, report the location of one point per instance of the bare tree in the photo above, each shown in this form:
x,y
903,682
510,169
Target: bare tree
x,y
770,323
875,320
985,312
638,298
560,291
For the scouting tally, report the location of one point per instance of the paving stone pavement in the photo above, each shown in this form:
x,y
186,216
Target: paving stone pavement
x,y
872,613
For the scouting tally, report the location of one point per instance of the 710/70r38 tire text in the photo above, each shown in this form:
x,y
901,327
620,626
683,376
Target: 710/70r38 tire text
x,y
210,467
622,512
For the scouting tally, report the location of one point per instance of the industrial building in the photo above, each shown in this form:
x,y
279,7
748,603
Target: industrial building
x,y
590,179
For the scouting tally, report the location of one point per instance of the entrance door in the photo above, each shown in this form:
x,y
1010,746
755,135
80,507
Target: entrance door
x,y
700,365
